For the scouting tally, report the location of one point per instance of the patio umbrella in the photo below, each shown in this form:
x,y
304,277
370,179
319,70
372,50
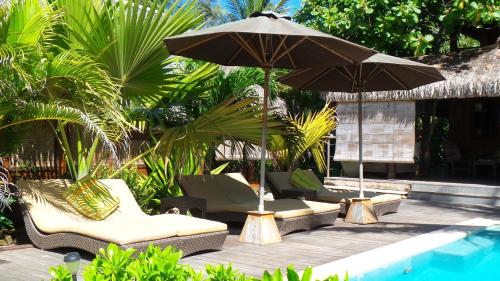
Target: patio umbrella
x,y
378,73
266,40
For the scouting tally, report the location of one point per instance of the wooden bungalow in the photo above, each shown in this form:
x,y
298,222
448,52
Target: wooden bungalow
x,y
443,130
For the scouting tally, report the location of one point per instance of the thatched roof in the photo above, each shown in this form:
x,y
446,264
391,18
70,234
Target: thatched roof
x,y
469,73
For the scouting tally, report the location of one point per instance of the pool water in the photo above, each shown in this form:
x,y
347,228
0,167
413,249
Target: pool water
x,y
476,257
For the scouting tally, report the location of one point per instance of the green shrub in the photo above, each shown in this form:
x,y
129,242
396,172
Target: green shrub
x,y
223,273
5,223
156,264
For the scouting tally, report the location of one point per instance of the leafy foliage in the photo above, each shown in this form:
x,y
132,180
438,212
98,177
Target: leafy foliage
x,y
224,273
60,273
230,120
475,13
5,223
402,28
115,263
128,39
101,67
311,128
233,10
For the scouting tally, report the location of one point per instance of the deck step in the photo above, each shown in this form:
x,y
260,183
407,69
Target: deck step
x,y
457,193
441,192
457,254
376,185
450,198
464,189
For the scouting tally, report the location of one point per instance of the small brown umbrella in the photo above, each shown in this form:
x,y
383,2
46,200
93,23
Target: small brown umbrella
x,y
266,40
378,73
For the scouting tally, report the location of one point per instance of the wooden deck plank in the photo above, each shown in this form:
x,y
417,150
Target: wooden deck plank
x,y
309,248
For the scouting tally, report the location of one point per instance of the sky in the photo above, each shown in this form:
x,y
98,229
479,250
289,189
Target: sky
x,y
295,5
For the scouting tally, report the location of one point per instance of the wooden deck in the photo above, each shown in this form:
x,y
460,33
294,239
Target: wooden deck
x,y
300,249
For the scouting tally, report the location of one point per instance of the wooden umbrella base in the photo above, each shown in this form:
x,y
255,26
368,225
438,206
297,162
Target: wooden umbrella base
x,y
361,212
260,228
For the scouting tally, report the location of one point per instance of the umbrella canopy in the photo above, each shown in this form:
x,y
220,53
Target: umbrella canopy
x,y
377,73
269,41
266,40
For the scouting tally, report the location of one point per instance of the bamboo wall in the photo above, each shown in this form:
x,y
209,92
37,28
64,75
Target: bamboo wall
x,y
388,132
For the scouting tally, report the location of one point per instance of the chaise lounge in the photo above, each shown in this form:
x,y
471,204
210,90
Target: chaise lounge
x,y
229,198
52,223
279,183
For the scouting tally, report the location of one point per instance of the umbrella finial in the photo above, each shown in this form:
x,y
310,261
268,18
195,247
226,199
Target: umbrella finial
x,y
269,14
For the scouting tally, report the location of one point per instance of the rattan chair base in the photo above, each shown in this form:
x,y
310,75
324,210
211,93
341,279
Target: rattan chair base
x,y
187,244
380,209
285,226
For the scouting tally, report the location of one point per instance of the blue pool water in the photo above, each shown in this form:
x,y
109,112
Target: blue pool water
x,y
476,257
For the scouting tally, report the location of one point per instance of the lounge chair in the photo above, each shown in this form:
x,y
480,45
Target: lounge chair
x,y
279,183
52,223
229,198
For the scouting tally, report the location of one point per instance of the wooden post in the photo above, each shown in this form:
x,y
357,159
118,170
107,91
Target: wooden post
x,y
391,170
260,228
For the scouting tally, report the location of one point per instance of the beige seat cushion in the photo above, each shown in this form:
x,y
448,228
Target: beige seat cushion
x,y
281,180
341,197
128,224
287,208
238,176
384,198
186,225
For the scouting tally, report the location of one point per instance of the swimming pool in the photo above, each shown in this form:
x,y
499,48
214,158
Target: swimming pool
x,y
475,257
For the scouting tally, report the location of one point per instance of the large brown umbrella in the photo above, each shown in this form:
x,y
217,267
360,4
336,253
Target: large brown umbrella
x,y
378,73
266,40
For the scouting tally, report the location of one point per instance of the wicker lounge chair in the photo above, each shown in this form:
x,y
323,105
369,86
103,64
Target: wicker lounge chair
x,y
52,223
229,198
279,183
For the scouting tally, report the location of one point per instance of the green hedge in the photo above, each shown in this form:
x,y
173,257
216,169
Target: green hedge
x,y
156,264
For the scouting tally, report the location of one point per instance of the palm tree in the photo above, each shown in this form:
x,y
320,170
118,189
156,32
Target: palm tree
x,y
126,39
94,66
47,80
233,10
307,141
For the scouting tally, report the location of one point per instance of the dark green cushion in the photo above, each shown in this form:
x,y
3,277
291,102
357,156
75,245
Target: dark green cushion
x,y
303,180
91,198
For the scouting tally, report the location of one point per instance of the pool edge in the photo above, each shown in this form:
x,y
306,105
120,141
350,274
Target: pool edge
x,y
385,255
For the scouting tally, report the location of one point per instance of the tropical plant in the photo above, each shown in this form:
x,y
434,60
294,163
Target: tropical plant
x,y
242,9
405,28
164,92
115,263
298,102
41,80
224,273
233,10
100,72
308,141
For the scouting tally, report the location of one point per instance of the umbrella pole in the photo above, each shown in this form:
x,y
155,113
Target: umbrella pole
x,y
264,139
360,143
361,209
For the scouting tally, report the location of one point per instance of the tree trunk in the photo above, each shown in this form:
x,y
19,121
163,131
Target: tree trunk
x,y
454,42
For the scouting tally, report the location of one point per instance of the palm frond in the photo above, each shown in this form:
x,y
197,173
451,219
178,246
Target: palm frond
x,y
233,120
312,128
19,114
128,39
31,21
80,82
